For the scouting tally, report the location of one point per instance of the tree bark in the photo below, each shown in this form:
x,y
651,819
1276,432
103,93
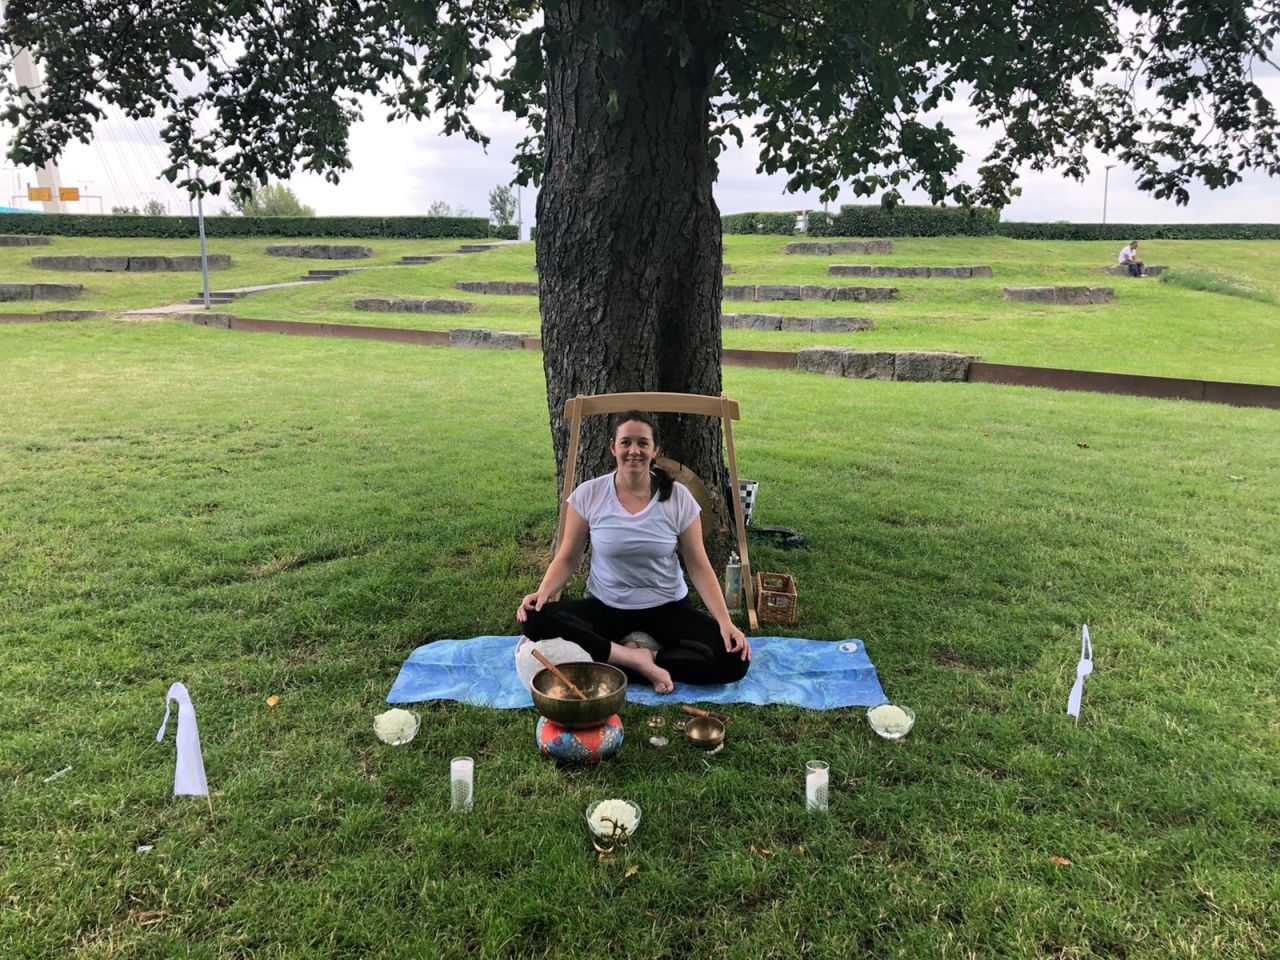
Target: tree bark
x,y
629,246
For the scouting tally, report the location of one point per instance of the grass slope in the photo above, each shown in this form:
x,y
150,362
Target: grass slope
x,y
264,515
1152,328
1201,328
119,292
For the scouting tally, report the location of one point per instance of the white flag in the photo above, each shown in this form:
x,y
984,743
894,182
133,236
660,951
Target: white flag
x,y
1083,669
188,775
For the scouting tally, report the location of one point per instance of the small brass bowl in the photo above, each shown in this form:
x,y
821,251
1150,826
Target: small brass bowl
x,y
604,685
705,732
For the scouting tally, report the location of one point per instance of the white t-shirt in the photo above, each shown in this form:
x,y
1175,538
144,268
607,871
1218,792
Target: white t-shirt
x,y
633,558
1128,253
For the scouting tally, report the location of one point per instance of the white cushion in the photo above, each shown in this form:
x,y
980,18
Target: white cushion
x,y
556,649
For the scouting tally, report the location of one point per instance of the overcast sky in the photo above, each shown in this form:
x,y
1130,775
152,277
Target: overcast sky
x,y
402,168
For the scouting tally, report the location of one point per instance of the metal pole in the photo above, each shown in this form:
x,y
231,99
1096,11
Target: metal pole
x,y
204,253
1106,182
26,74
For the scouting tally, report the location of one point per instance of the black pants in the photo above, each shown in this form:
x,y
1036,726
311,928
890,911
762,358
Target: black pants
x,y
1135,269
692,648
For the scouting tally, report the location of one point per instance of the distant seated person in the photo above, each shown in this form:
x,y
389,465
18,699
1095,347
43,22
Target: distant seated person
x,y
638,519
1129,259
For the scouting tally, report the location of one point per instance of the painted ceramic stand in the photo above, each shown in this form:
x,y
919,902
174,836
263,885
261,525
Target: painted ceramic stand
x,y
579,746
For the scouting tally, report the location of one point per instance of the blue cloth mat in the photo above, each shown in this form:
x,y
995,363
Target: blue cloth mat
x,y
817,674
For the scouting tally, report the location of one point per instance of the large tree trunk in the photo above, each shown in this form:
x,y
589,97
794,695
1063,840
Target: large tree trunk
x,y
629,248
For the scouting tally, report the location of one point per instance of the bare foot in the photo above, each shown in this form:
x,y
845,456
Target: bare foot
x,y
660,678
641,660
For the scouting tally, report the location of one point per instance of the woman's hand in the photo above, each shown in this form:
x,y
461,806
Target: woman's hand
x,y
533,601
735,640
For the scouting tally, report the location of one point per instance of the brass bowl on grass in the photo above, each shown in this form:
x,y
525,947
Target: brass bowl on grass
x,y
705,732
604,685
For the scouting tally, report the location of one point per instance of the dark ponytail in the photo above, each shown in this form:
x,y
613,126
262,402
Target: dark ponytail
x,y
660,479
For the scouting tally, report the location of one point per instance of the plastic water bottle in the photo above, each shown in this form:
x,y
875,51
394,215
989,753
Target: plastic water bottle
x,y
733,583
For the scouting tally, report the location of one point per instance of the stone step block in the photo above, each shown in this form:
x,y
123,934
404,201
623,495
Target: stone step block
x,y
777,291
10,292
922,366
508,288
420,260
385,305
486,339
22,240
845,362
774,323
828,248
217,261
478,247
880,270
875,270
1068,296
865,294
901,365
767,292
1115,270
321,251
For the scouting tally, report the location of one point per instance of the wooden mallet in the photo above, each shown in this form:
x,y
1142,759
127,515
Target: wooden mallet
x,y
699,712
559,676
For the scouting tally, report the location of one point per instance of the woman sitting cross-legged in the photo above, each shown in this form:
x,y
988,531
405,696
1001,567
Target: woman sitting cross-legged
x,y
638,518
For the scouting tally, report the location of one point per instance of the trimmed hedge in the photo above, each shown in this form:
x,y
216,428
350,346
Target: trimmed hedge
x,y
872,220
820,224
905,220
96,225
505,231
781,224
1140,231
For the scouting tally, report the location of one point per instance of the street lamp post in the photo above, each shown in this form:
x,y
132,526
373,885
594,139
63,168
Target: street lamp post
x,y
1106,182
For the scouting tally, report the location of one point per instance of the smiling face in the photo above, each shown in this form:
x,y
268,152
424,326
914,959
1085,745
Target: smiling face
x,y
633,447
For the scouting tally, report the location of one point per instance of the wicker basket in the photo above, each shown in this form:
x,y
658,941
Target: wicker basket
x,y
775,598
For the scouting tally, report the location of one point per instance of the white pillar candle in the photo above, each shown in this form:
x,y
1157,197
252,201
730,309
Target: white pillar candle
x,y
815,785
461,783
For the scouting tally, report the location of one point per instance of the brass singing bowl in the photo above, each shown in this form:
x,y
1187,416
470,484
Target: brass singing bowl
x,y
604,685
705,732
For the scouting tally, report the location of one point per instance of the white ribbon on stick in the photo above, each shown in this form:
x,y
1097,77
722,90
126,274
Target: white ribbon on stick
x,y
1083,669
188,774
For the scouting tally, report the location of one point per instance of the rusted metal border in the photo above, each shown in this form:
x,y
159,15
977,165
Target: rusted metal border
x,y
50,317
1128,384
1088,381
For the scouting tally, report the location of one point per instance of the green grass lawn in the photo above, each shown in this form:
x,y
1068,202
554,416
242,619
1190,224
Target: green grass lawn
x,y
1153,328
261,516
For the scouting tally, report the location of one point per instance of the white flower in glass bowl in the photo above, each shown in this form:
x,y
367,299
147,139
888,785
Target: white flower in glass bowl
x,y
891,721
613,819
396,727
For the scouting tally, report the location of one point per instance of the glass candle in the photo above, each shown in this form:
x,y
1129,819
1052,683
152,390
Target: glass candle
x,y
816,775
462,772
